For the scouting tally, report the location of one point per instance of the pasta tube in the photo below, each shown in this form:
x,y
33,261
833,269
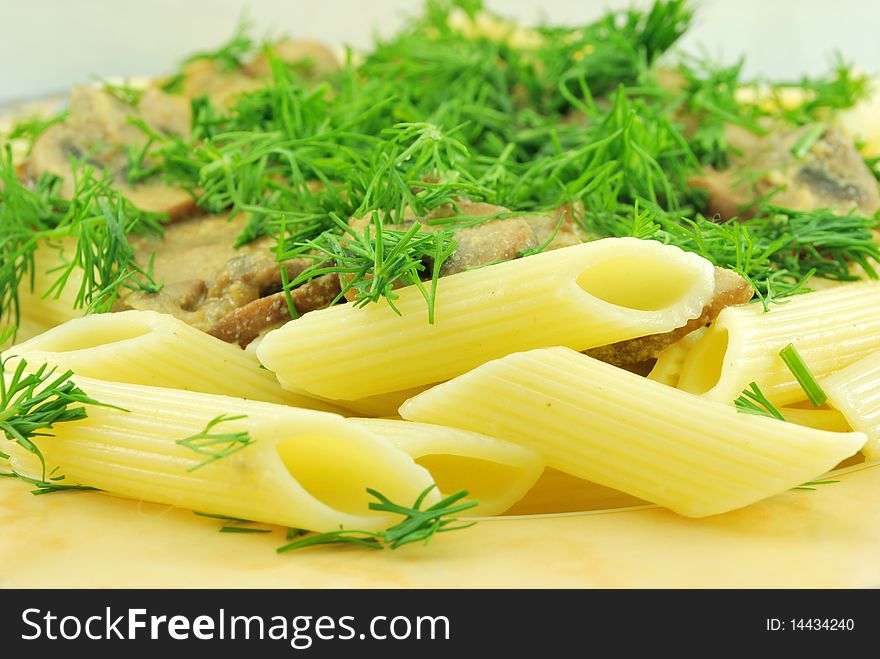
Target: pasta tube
x,y
855,391
612,427
304,469
667,368
154,349
831,329
581,297
497,474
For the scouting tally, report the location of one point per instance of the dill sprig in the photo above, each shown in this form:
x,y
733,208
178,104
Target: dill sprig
x,y
839,89
216,445
433,117
709,96
30,129
32,403
803,375
811,485
50,485
753,401
98,220
231,54
122,92
418,525
374,261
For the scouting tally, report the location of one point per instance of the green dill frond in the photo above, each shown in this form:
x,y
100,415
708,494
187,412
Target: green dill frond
x,y
419,524
216,445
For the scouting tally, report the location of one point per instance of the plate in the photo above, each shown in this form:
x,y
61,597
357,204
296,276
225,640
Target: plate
x,y
822,538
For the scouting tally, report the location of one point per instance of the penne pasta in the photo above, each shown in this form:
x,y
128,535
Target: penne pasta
x,y
617,429
154,349
830,329
496,474
855,391
582,297
304,469
667,368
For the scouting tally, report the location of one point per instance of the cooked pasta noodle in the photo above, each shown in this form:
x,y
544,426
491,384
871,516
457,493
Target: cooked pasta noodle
x,y
855,391
497,474
830,329
592,420
582,296
304,469
149,348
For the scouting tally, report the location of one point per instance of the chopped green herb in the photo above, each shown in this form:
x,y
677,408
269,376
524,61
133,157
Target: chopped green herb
x,y
811,485
808,139
753,401
31,403
418,525
216,445
242,529
802,374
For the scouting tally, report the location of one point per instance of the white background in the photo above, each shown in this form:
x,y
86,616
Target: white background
x,y
47,45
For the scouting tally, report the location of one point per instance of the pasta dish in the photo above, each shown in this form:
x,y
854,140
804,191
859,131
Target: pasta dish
x,y
483,269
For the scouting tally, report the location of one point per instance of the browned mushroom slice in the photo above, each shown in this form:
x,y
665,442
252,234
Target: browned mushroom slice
x,y
157,197
205,78
730,290
98,129
51,153
245,324
166,113
180,299
831,174
205,277
490,242
313,57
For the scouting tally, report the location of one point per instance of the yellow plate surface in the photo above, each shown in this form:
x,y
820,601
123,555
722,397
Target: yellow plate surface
x,y
829,537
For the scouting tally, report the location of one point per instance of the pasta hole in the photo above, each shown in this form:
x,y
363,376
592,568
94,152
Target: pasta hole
x,y
337,471
483,479
644,282
702,367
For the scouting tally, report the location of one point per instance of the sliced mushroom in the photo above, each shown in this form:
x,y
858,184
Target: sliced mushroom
x,y
98,130
313,57
246,323
204,77
831,174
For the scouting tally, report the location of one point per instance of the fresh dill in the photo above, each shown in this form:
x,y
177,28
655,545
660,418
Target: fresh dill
x,y
436,115
31,403
231,54
873,164
98,219
374,261
52,485
811,485
216,445
233,528
418,525
808,140
802,374
123,92
753,401
30,129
